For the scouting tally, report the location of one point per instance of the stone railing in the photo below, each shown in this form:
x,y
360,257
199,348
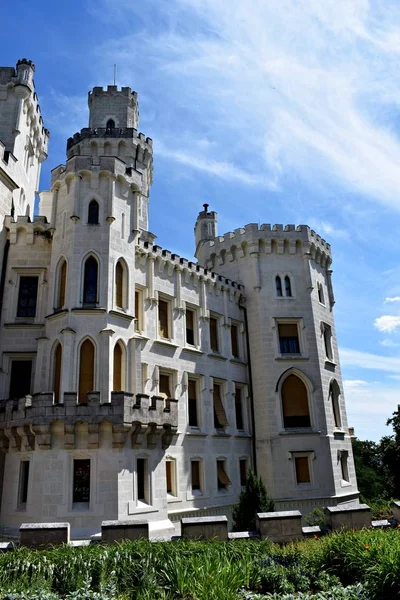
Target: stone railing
x,y
37,419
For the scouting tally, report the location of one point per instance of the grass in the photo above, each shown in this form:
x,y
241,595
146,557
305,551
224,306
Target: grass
x,y
346,565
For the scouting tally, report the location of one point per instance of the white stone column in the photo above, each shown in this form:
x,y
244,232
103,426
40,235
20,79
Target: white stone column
x,y
69,366
40,383
105,378
76,196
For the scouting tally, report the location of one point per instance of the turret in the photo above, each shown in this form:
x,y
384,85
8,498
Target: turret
x,y
24,80
111,108
206,228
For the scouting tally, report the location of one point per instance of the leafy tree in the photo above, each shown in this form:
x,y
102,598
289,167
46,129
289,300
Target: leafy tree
x,y
252,499
373,476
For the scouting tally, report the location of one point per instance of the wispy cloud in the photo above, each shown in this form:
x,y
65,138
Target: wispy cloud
x,y
392,299
388,343
366,360
313,84
387,323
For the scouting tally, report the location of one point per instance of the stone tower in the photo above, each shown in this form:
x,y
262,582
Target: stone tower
x,y
303,446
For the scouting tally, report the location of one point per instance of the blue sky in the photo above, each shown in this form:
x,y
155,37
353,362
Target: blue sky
x,y
284,111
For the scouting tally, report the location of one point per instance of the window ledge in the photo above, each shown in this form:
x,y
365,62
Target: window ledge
x,y
139,336
196,495
220,434
192,349
238,361
23,324
57,313
216,356
285,297
329,363
171,499
300,431
286,357
88,310
242,434
195,433
122,314
339,432
166,343
134,509
344,483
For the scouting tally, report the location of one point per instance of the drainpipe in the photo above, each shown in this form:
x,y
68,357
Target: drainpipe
x,y
253,423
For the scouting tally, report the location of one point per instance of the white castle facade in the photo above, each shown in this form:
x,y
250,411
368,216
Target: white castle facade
x,y
136,384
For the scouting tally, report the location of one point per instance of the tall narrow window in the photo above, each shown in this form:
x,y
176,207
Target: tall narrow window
x,y
117,385
222,478
344,466
170,474
288,338
327,332
163,321
123,226
239,408
86,371
288,286
192,403
220,420
165,385
190,327
302,469
243,471
57,372
214,342
295,403
81,481
320,293
138,311
196,476
23,484
119,285
142,479
90,281
278,285
20,380
27,296
334,394
62,282
93,213
235,340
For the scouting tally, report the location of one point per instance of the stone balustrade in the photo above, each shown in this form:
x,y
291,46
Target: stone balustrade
x,y
38,418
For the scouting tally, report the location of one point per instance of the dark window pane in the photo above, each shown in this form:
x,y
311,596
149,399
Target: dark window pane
x,y
239,408
90,281
278,283
288,287
27,296
190,327
81,492
141,473
296,421
289,345
93,213
20,381
23,482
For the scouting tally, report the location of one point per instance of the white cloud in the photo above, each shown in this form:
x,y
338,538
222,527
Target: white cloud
x,y
308,88
366,360
388,323
392,299
388,343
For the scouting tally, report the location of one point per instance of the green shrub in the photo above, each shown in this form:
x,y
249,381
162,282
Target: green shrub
x,y
252,499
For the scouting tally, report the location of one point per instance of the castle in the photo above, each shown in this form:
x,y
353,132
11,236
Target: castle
x,y
137,384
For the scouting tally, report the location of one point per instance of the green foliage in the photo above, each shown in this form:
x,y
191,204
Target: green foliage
x,y
252,499
353,592
315,517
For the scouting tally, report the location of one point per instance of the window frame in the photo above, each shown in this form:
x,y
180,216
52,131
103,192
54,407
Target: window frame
x,y
81,504
97,302
310,455
223,486
147,487
92,202
168,301
58,305
139,310
23,484
242,389
194,311
238,326
124,284
198,491
19,272
321,293
302,343
196,381
222,385
17,357
327,336
242,480
343,460
217,319
173,494
171,374
309,391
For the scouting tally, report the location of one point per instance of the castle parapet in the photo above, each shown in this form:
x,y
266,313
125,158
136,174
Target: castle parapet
x,y
39,418
103,132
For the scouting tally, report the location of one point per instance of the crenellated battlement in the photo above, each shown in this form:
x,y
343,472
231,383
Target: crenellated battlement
x,y
116,132
112,89
38,418
39,227
268,239
146,249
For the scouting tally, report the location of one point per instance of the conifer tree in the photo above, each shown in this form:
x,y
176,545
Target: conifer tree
x,y
252,499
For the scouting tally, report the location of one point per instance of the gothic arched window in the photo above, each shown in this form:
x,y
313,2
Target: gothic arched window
x,y
110,124
334,395
90,278
295,407
62,282
278,285
86,370
288,286
118,370
93,213
119,284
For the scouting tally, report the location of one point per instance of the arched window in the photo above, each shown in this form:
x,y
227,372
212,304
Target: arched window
x,y
334,395
57,372
62,282
119,285
93,213
86,370
288,286
118,368
278,284
295,403
90,281
110,124
320,293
